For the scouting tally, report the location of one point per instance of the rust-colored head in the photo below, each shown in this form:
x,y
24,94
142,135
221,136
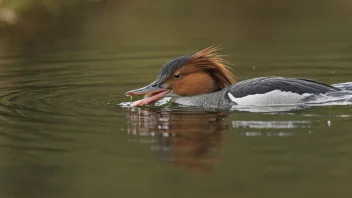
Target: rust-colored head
x,y
199,73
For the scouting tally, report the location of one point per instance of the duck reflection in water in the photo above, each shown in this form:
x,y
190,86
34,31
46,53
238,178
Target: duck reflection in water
x,y
187,138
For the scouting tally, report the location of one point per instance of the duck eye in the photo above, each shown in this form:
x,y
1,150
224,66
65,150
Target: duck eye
x,y
177,75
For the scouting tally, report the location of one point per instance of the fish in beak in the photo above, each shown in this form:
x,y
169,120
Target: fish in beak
x,y
152,94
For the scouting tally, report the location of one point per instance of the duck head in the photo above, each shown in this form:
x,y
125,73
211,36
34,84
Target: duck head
x,y
198,73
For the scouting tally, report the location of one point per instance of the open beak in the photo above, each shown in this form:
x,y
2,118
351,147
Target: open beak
x,y
152,93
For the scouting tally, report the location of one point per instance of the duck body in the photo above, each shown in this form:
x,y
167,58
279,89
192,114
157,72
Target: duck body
x,y
203,79
262,91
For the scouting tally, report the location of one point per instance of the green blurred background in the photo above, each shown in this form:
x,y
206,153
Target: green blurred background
x,y
256,23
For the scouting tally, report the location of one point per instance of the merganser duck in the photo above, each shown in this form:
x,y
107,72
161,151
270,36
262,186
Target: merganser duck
x,y
203,79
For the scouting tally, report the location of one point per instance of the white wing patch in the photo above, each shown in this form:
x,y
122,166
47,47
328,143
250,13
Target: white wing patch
x,y
275,97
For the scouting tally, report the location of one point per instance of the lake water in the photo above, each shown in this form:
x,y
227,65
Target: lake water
x,y
64,134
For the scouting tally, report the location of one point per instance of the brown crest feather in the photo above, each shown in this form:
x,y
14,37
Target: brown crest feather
x,y
207,59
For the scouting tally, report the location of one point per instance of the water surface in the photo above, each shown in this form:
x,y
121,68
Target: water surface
x,y
64,134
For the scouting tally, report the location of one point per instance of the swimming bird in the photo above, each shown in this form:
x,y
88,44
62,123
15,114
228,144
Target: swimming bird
x,y
203,79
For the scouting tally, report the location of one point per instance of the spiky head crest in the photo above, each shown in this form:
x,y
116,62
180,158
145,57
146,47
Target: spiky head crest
x,y
208,59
